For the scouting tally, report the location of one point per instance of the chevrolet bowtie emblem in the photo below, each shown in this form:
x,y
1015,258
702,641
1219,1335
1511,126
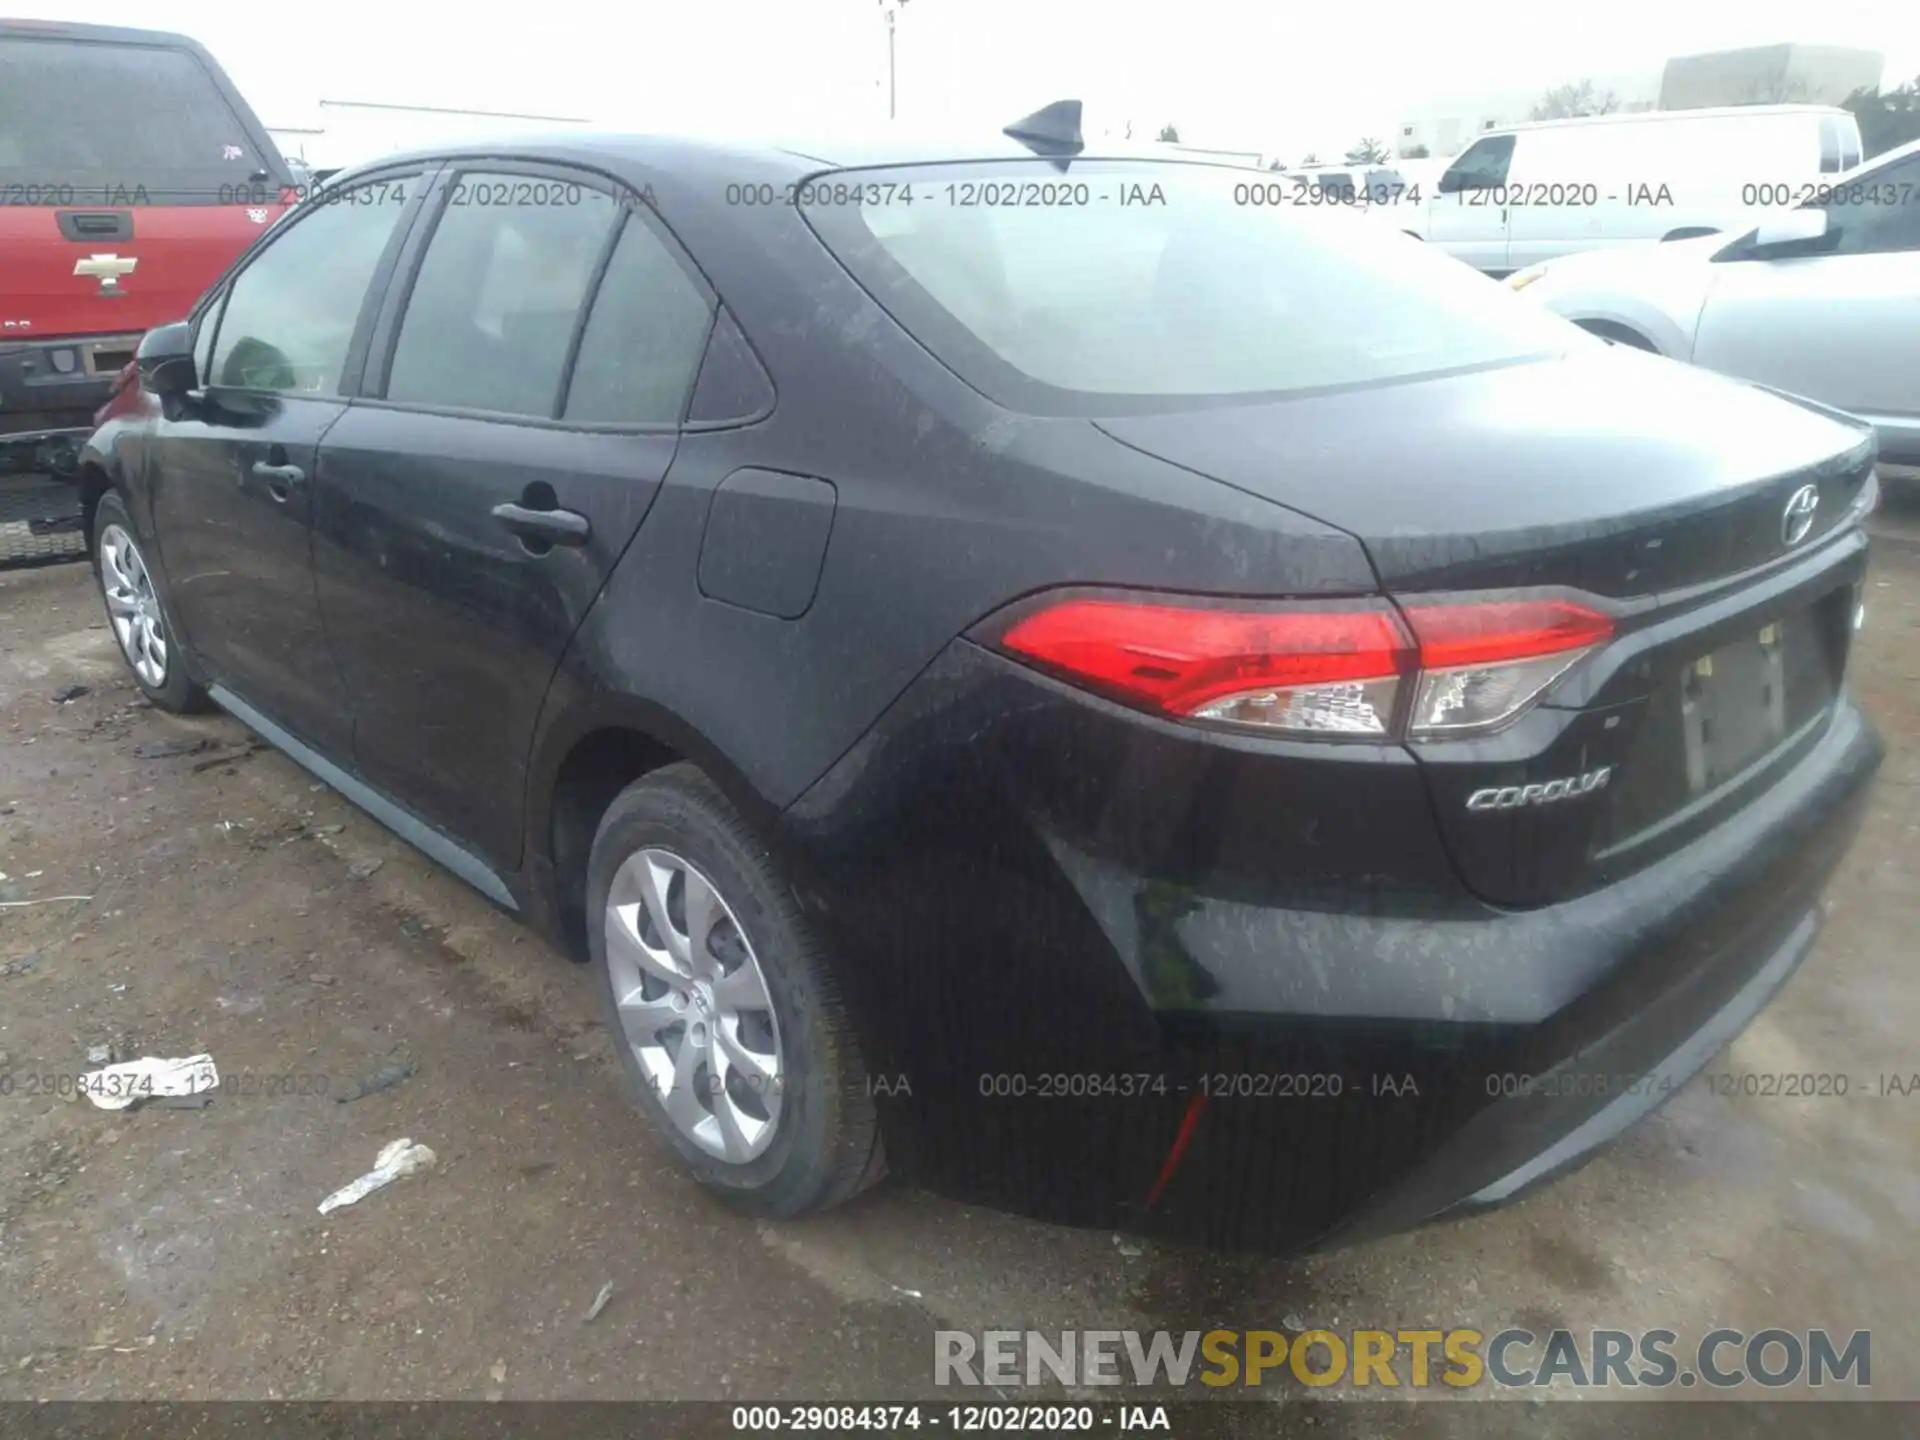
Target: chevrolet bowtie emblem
x,y
107,269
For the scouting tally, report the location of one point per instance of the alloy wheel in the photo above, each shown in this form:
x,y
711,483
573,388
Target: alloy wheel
x,y
693,1005
133,607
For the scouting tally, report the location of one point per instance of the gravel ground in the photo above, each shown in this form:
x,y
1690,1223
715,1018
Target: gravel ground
x,y
240,909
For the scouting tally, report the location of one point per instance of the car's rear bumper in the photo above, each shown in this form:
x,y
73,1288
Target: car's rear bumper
x,y
1693,980
1064,964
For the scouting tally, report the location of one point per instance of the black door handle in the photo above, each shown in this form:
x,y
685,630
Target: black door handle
x,y
279,474
549,527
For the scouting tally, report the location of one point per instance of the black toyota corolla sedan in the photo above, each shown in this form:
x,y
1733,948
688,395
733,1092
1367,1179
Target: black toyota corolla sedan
x,y
1092,681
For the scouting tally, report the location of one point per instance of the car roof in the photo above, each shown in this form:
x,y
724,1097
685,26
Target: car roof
x,y
114,34
724,159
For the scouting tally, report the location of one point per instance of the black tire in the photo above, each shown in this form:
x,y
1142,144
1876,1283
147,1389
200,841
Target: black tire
x,y
179,693
826,1145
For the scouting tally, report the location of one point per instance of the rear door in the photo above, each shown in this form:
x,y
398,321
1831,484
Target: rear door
x,y
131,176
233,469
1843,327
530,385
1468,214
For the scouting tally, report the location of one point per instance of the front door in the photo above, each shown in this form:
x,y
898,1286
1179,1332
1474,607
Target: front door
x,y
468,518
234,465
1468,215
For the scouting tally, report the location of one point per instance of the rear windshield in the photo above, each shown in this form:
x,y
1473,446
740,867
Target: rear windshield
x,y
1122,286
90,123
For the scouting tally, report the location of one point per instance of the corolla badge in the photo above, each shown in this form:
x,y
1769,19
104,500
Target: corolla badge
x,y
1797,519
1511,797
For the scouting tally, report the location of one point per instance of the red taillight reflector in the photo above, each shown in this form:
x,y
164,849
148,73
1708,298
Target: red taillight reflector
x,y
1177,658
1497,631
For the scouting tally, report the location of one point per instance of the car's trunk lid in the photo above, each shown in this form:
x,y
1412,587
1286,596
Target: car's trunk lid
x,y
1612,472
1664,491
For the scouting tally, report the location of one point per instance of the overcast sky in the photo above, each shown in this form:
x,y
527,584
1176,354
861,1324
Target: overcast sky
x,y
1252,75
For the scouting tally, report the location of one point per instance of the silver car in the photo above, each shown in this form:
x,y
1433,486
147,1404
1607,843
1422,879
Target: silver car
x,y
1822,300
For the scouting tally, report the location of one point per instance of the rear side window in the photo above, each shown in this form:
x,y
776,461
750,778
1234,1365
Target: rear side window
x,y
290,315
498,296
644,339
1849,141
99,124
1831,161
1110,302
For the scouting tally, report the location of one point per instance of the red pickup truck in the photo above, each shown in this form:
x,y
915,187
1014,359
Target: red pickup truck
x,y
132,174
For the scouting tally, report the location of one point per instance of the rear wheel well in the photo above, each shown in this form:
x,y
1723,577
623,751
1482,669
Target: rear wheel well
x,y
597,769
1625,335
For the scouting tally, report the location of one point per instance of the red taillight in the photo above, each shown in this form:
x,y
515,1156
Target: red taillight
x,y
1317,669
1488,632
1300,668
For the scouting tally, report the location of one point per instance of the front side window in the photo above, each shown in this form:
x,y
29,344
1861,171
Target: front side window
x,y
289,317
1335,184
644,339
1878,212
1384,186
1109,300
498,296
1482,167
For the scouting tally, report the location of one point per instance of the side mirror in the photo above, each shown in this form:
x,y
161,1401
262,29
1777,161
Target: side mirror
x,y
1797,232
165,358
1448,183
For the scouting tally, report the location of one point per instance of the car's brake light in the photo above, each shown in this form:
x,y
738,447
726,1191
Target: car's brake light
x,y
1482,663
1321,669
1296,668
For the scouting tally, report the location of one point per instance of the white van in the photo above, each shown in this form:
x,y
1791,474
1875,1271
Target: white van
x,y
1528,193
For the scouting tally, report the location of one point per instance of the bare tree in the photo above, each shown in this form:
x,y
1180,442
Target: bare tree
x,y
1887,117
1415,152
1775,90
1169,134
1368,152
1567,102
1310,158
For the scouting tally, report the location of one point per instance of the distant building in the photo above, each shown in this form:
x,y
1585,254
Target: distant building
x,y
1769,75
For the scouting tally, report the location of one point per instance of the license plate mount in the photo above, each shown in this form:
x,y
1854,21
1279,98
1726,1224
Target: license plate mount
x,y
1733,706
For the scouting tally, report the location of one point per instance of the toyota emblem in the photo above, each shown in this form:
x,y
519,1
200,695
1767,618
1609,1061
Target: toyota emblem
x,y
1797,519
